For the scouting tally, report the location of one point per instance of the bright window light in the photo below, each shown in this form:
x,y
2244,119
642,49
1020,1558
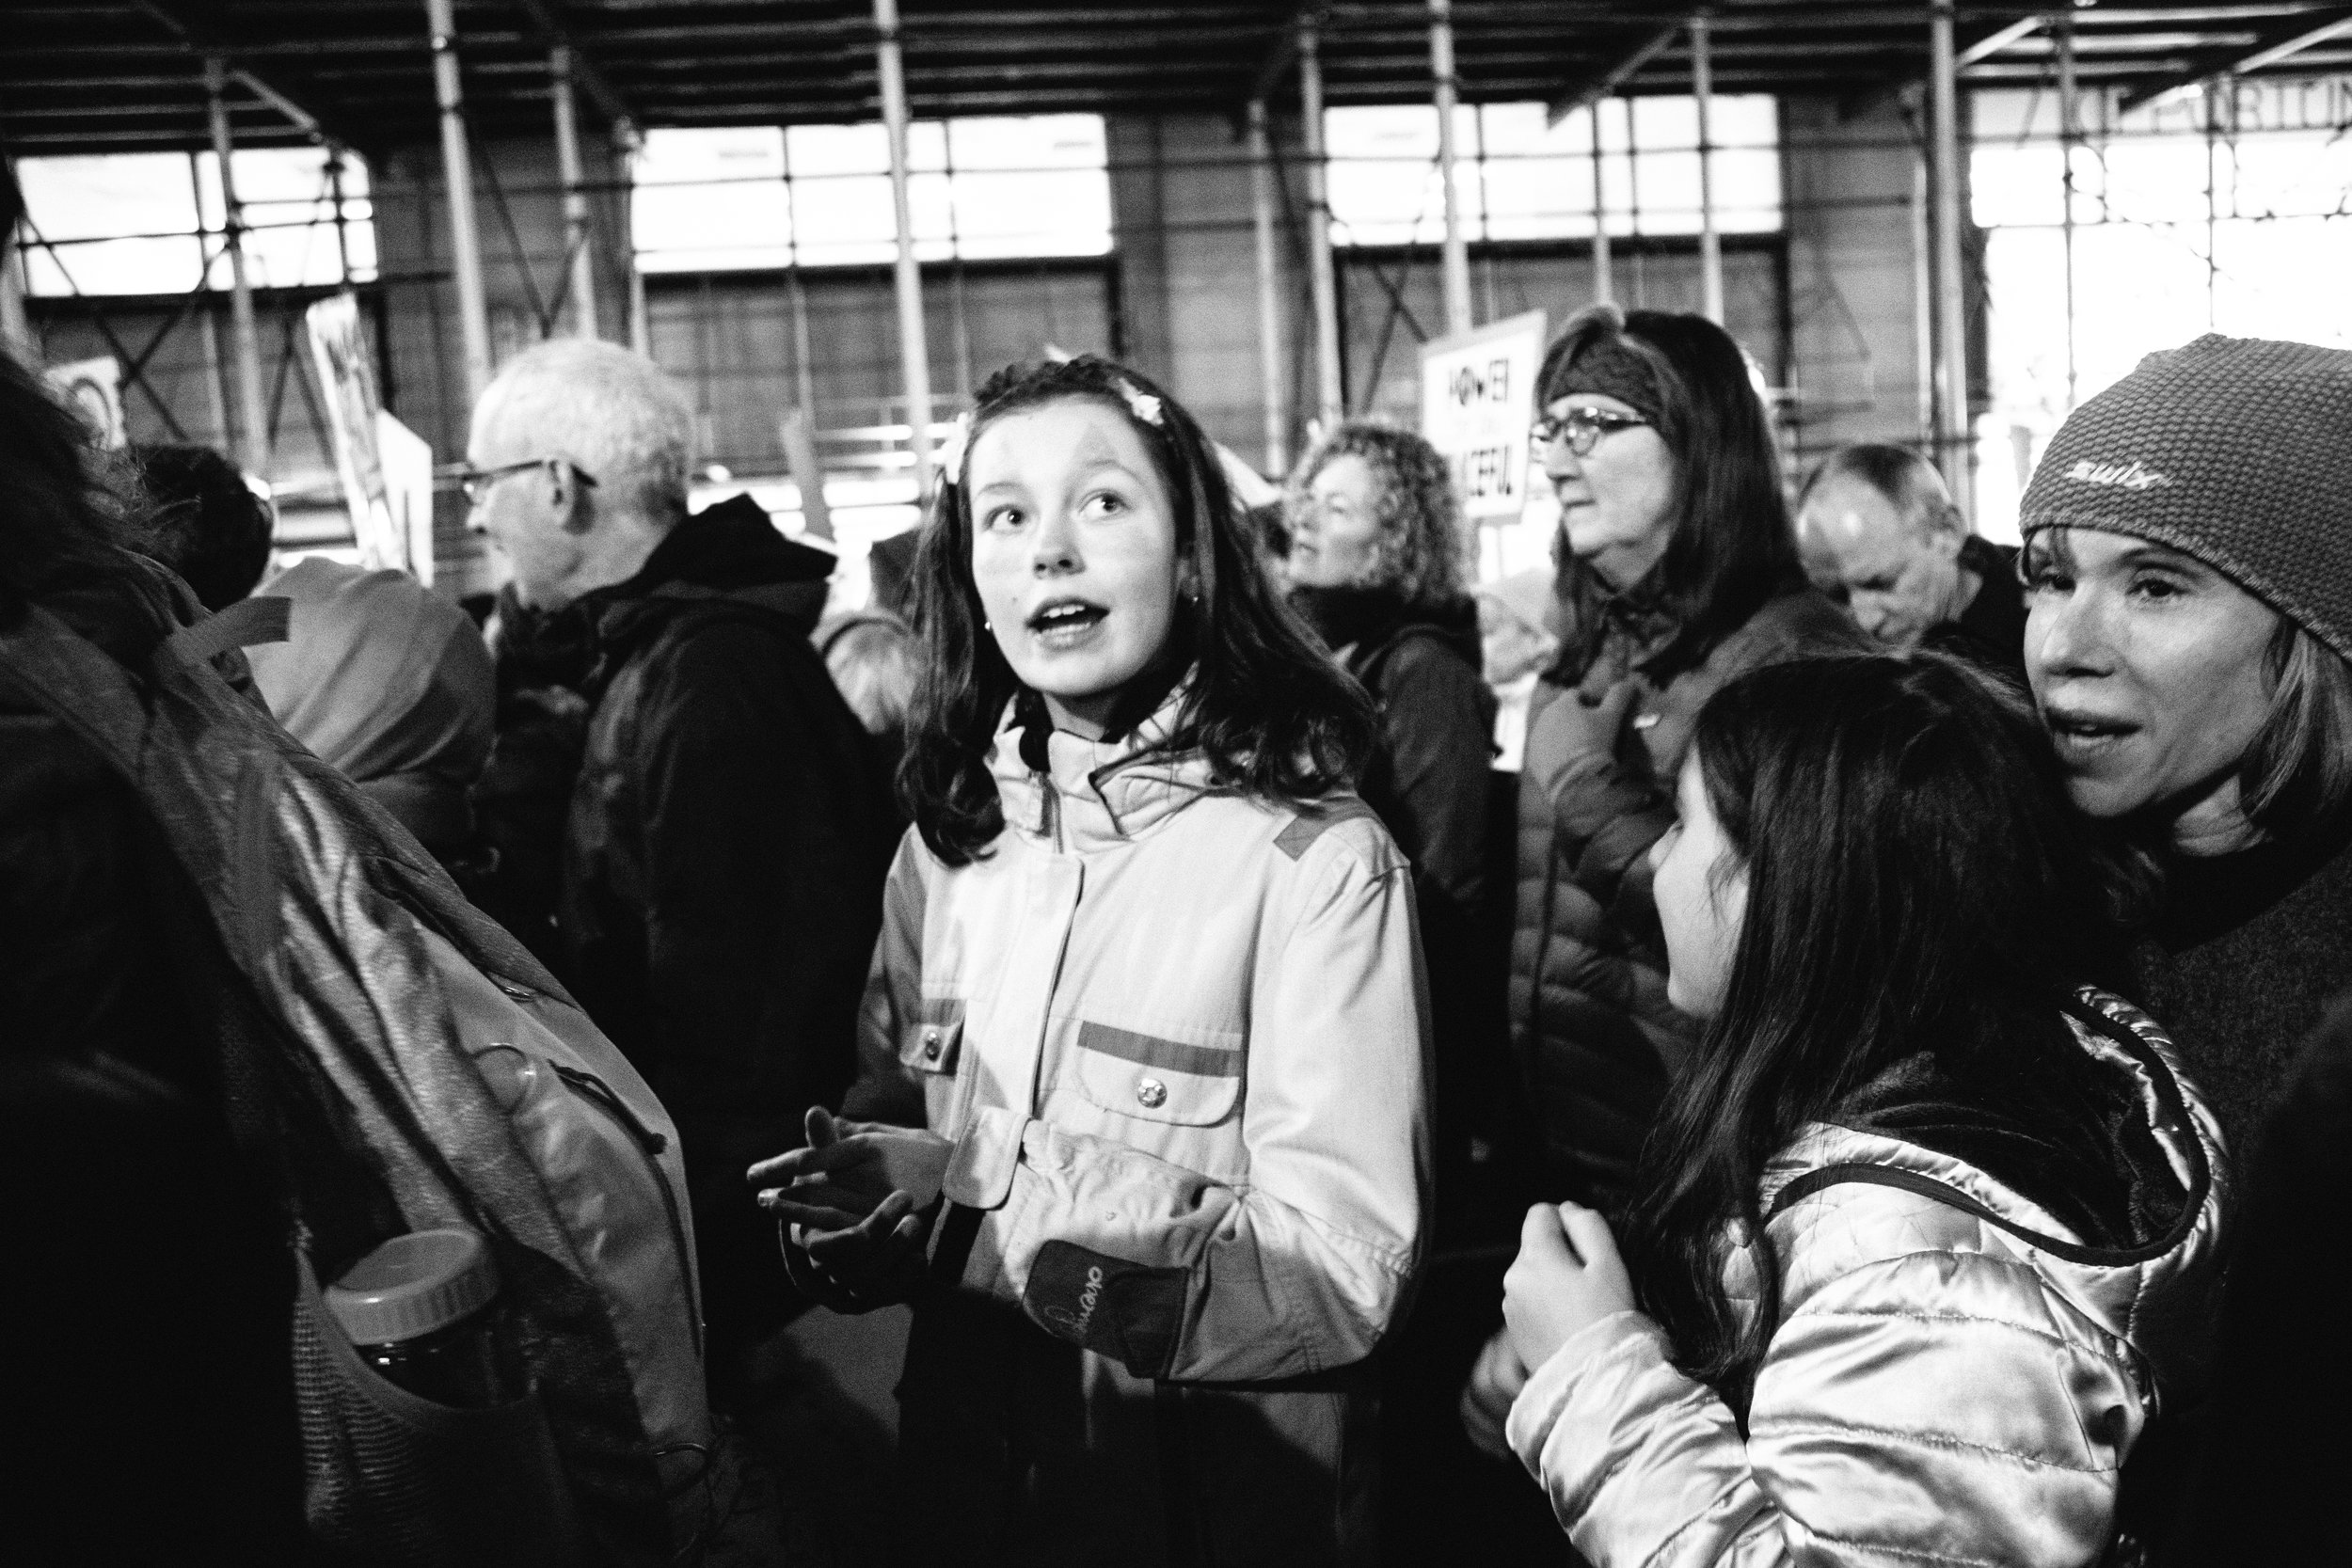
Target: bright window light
x,y
1516,178
1009,186
126,223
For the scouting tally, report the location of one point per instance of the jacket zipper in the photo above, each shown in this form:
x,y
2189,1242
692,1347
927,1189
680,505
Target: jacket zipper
x,y
1052,799
651,1144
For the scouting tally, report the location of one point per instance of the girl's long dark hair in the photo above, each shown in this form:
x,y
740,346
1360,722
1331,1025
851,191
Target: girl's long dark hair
x,y
1732,547
1274,716
1915,882
62,506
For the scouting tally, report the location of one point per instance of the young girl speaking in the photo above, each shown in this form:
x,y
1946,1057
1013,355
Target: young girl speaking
x,y
1928,1235
1148,1013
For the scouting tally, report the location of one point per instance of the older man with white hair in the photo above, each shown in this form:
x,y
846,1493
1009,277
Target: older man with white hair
x,y
730,828
1879,532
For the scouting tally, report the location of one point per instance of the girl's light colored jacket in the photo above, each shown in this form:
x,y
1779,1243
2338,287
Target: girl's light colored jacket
x,y
1945,1386
1177,1038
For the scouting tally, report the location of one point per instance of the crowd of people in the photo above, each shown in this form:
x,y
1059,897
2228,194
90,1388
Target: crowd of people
x,y
1858,1087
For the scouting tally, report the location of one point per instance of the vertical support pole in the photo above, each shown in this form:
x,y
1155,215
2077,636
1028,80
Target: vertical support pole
x,y
1455,255
2070,109
252,423
16,328
1273,392
473,311
913,346
1951,311
207,329
1604,286
1330,407
343,219
1711,244
2213,208
627,146
796,293
575,229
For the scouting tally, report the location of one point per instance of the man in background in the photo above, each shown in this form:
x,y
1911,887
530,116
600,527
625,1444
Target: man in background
x,y
729,830
1880,533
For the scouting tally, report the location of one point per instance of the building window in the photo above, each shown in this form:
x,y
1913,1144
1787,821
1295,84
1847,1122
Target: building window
x,y
719,201
1518,179
145,223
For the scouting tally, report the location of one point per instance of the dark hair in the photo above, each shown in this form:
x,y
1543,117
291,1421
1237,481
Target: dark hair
x,y
59,508
1274,716
1418,507
204,521
1731,548
1915,882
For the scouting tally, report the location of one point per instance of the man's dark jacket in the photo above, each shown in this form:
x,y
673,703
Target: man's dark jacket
x,y
724,861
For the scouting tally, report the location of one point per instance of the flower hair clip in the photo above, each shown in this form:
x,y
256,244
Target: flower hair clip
x,y
951,450
1143,406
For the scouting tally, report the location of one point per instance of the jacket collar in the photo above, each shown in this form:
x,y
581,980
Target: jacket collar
x,y
1095,794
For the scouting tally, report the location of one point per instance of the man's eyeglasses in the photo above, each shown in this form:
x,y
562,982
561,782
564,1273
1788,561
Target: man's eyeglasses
x,y
476,483
1582,428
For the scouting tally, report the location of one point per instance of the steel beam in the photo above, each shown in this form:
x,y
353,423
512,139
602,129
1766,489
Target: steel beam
x,y
584,73
1272,381
1951,311
1604,285
1711,244
2276,51
1579,95
253,434
1453,258
1323,286
914,345
579,237
473,312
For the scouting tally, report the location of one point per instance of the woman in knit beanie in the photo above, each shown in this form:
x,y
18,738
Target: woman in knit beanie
x,y
1677,572
2189,564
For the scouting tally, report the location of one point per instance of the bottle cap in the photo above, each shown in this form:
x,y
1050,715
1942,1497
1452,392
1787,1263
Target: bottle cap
x,y
412,1284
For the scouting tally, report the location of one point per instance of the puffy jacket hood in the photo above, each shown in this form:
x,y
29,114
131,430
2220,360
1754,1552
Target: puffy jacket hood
x,y
730,551
2149,1285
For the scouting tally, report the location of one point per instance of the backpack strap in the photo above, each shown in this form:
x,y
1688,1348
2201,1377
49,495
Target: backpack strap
x,y
240,626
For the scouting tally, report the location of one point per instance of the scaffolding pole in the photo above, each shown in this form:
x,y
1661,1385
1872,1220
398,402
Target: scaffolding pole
x,y
343,219
252,424
473,311
914,347
626,145
1454,256
575,224
2069,110
1272,391
1330,407
208,330
1604,285
1710,244
1951,310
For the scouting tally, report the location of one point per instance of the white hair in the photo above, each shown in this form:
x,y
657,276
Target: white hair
x,y
613,414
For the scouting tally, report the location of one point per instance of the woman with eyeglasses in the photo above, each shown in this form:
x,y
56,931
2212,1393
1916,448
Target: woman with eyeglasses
x,y
1677,572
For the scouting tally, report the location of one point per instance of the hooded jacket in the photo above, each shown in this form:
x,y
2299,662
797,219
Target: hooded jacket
x,y
723,863
1177,1034
1956,1377
1596,1037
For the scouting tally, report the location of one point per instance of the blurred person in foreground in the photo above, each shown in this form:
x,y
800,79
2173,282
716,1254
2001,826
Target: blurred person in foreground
x,y
204,520
1879,534
391,685
1376,566
1677,572
729,833
150,1405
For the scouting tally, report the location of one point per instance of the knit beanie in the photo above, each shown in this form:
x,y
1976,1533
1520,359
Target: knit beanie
x,y
2237,451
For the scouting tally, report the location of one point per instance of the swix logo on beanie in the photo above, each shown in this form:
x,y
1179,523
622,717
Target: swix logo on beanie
x,y
2133,475
1130,1312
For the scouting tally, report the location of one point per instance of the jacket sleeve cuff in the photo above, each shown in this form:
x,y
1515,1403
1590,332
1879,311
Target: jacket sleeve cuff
x,y
1540,1404
979,1173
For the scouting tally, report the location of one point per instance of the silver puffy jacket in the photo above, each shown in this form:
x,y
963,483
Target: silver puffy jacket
x,y
1955,1379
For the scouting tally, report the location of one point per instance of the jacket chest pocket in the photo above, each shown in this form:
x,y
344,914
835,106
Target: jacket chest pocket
x,y
932,1044
1155,1079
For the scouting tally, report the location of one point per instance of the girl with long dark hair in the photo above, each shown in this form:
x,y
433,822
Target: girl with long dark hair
x,y
1926,1232
1141,1109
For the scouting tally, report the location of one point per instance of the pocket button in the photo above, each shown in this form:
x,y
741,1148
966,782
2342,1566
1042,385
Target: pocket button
x,y
1152,1092
930,1045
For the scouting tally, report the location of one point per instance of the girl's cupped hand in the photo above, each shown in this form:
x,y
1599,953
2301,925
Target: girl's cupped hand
x,y
1566,1277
